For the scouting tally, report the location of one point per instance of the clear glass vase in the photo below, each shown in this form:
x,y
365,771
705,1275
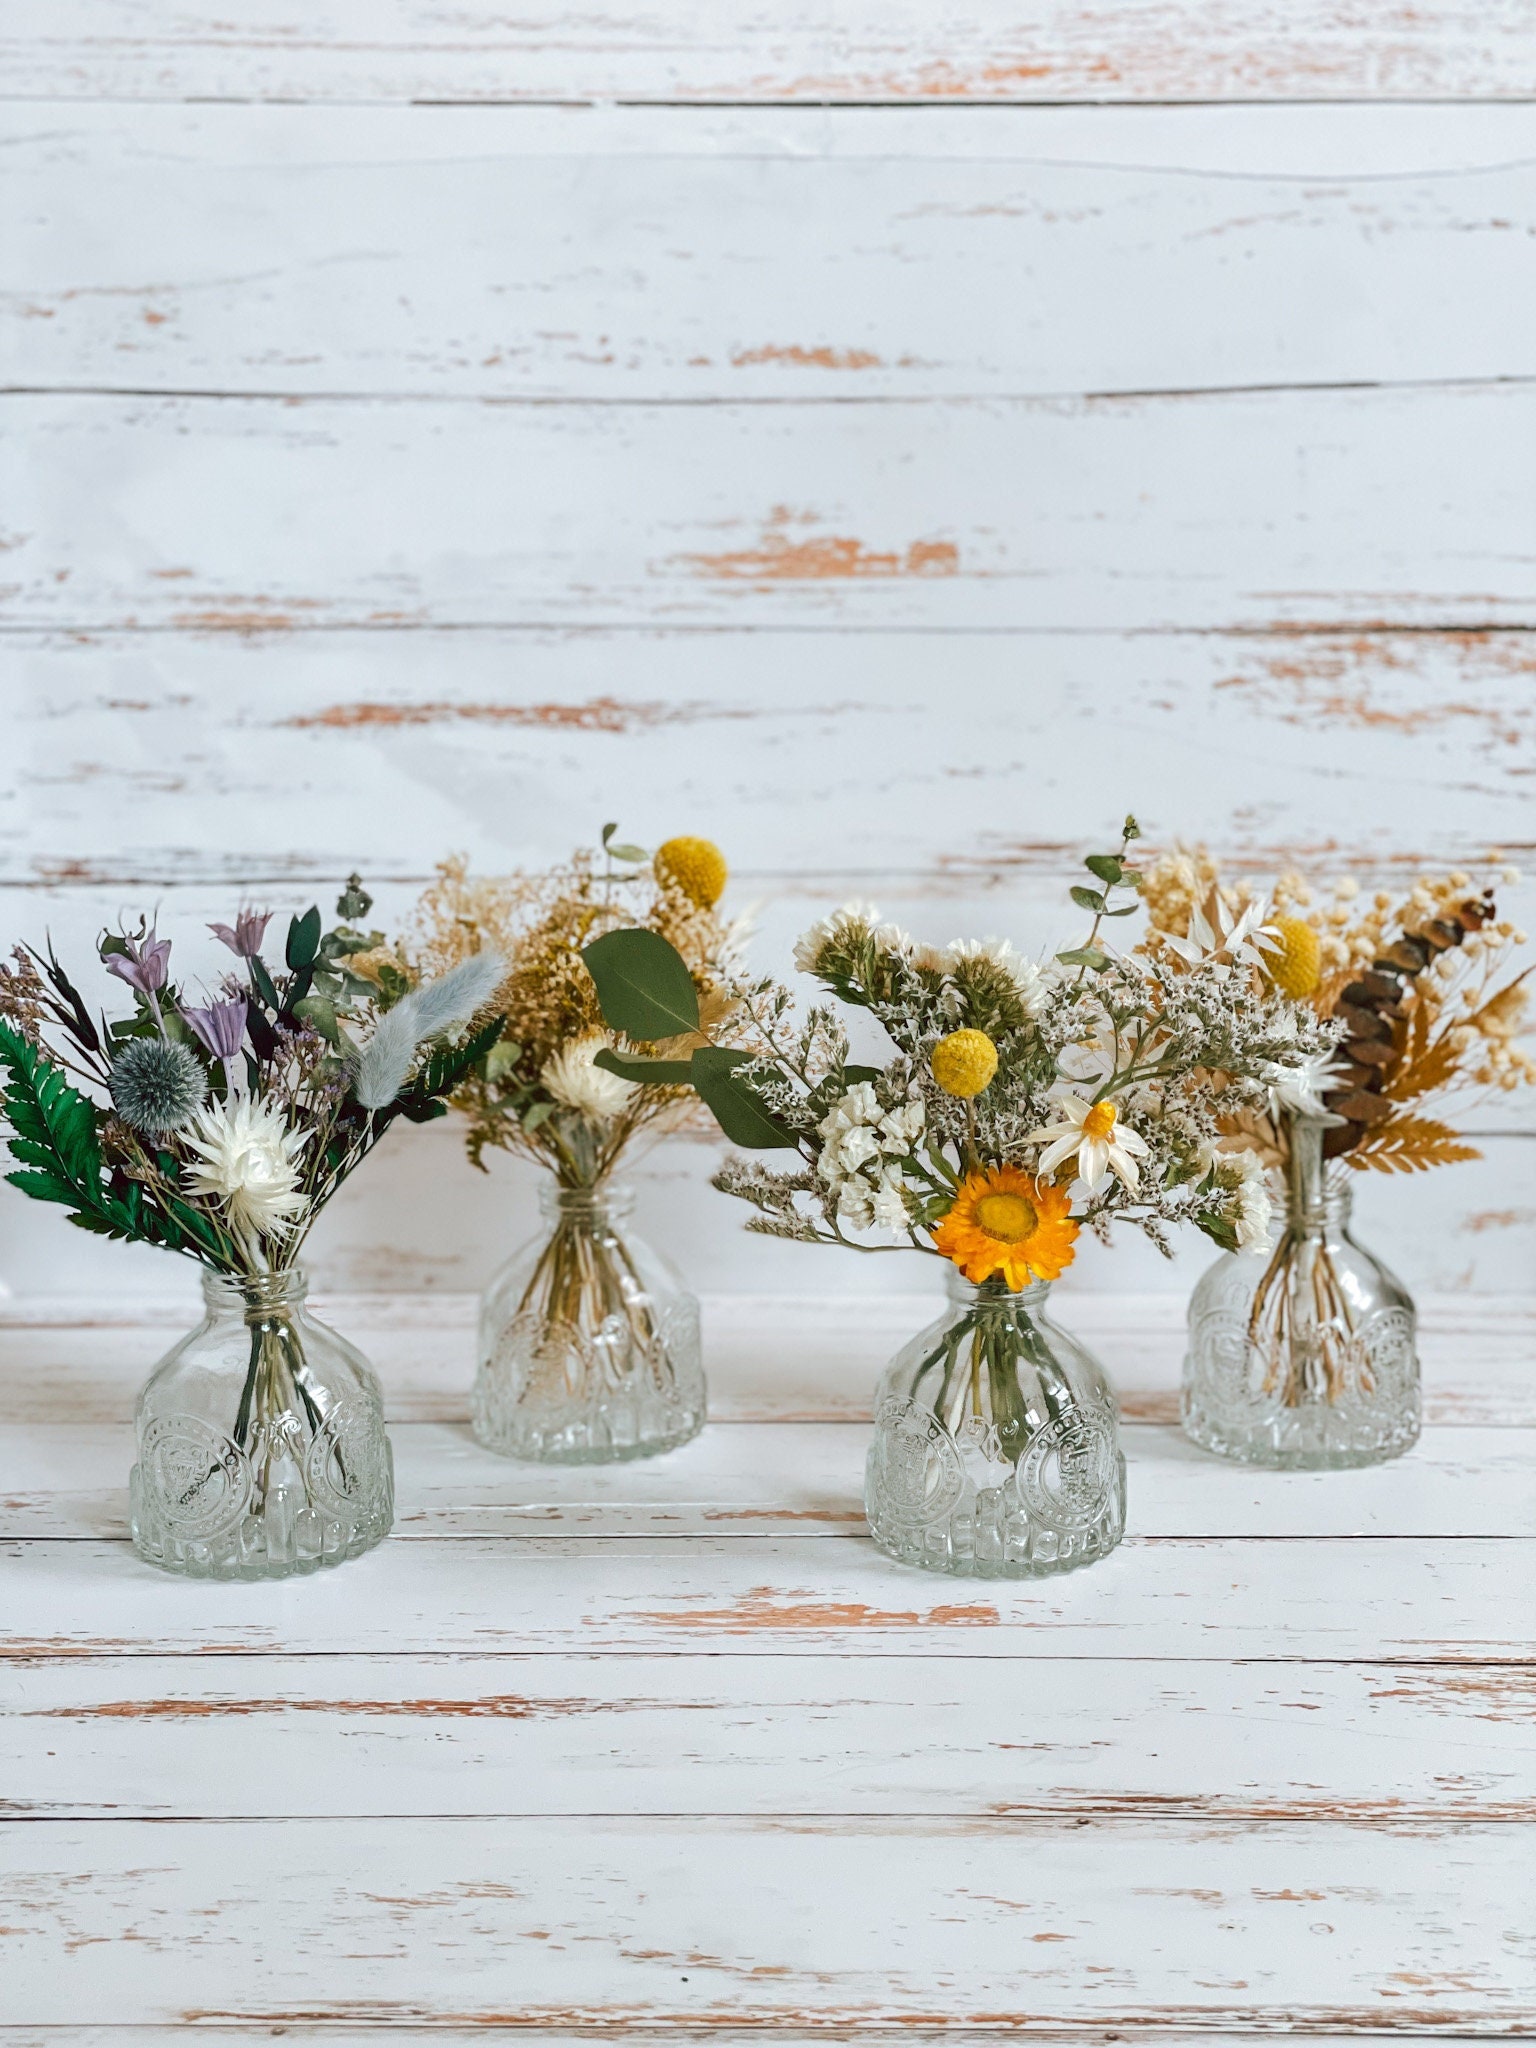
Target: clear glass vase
x,y
1307,1359
589,1341
996,1451
262,1449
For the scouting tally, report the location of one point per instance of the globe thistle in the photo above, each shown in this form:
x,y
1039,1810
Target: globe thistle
x,y
156,1085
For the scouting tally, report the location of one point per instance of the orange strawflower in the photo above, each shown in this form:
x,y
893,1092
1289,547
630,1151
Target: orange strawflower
x,y
1006,1225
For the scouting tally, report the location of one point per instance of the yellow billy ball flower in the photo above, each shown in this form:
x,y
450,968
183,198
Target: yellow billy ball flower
x,y
1295,968
964,1063
696,866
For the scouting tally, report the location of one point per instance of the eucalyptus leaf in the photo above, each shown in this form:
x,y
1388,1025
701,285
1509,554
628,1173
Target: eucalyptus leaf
x,y
540,1113
643,984
653,1073
320,1014
303,938
1106,866
1085,956
634,853
737,1107
1087,899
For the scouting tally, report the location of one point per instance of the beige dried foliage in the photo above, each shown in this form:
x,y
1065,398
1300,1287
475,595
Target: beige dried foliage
x,y
539,923
1409,1144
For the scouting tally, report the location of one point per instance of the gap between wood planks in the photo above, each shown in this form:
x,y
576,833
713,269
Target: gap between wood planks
x,y
548,401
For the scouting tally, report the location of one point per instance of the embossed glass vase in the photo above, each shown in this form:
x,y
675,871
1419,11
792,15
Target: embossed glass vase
x,y
1306,1359
261,1442
996,1451
589,1341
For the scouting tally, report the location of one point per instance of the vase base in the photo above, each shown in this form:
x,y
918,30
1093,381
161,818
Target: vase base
x,y
964,1549
1311,1439
251,1559
614,1437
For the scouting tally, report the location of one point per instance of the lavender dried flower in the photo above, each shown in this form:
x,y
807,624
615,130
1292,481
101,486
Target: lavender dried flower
x,y
221,1027
144,966
246,934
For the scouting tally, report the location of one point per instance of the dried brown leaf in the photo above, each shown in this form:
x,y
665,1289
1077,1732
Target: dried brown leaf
x,y
1410,1144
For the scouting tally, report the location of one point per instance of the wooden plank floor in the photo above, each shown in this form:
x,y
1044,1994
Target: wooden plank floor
x,y
668,1750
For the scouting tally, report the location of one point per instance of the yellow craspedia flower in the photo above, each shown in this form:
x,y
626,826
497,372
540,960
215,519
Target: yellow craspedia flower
x,y
1296,966
696,866
963,1063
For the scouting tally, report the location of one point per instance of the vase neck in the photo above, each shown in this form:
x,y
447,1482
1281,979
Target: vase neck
x,y
1316,1203
992,1294
252,1296
600,1202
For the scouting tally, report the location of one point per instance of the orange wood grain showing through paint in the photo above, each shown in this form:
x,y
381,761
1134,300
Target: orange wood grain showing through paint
x,y
597,714
820,557
762,1608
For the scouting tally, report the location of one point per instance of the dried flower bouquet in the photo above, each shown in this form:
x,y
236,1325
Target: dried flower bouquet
x,y
1418,995
1023,1103
589,1350
219,1130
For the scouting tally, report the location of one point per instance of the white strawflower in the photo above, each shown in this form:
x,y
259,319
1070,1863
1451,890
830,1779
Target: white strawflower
x,y
860,917
1300,1088
246,1162
1028,980
577,1083
890,1209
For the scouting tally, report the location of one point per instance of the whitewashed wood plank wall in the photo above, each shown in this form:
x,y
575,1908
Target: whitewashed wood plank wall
x,y
893,439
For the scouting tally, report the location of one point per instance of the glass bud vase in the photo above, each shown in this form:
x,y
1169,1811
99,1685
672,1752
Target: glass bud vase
x,y
261,1441
589,1341
997,1448
1307,1359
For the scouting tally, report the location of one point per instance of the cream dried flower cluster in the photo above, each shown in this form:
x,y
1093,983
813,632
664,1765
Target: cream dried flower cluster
x,y
1420,986
539,1090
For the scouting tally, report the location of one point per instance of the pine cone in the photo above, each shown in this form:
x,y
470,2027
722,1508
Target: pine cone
x,y
1370,1007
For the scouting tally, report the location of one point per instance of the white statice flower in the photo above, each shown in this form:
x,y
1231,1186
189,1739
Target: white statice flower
x,y
902,1129
573,1078
861,1153
1255,1208
1028,978
1300,1088
1093,1132
246,1162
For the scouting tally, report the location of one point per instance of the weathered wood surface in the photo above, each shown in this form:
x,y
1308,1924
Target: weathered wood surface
x,y
786,1919
886,763
739,50
1039,513
678,255
1453,1599
66,1481
152,1736
777,1359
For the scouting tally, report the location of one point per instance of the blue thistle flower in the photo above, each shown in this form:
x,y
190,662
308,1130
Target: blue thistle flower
x,y
156,1084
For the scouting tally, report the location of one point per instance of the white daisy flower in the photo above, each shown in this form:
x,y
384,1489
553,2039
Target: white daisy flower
x,y
245,1162
1089,1129
576,1082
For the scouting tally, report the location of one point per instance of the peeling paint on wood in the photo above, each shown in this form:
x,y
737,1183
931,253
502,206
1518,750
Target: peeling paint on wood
x,y
732,51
